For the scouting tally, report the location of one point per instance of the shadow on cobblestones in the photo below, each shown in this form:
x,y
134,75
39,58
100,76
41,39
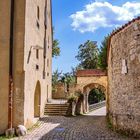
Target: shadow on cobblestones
x,y
86,127
79,128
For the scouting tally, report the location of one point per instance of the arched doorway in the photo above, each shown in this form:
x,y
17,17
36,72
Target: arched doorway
x,y
93,93
37,97
96,95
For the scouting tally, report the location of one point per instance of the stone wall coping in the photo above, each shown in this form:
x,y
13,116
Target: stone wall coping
x,y
91,73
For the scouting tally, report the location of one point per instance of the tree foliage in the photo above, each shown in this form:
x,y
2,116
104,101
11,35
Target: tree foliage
x,y
68,78
88,55
91,57
55,47
96,95
56,77
103,53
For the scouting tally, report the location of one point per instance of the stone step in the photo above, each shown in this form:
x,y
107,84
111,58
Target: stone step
x,y
55,114
56,109
64,105
56,106
49,113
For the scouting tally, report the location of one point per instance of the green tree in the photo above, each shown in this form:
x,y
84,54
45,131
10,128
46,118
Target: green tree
x,y
56,76
88,55
55,47
103,53
67,79
96,95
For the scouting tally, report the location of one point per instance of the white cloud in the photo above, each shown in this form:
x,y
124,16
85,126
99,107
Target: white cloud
x,y
103,14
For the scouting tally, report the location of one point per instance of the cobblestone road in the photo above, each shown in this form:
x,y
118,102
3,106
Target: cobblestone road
x,y
87,127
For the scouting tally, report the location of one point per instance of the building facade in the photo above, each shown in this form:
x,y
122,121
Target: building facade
x,y
88,80
124,78
26,56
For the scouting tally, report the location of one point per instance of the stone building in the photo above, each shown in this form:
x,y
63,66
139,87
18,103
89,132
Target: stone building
x,y
124,78
88,80
25,59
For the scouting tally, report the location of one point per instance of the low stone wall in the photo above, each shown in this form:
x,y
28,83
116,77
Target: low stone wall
x,y
60,93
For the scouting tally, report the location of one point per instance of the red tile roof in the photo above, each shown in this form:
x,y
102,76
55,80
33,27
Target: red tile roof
x,y
91,72
124,26
119,30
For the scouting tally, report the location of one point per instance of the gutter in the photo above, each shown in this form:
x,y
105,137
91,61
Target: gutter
x,y
10,102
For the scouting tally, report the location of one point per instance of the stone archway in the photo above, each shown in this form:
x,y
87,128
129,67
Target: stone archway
x,y
86,91
37,98
95,96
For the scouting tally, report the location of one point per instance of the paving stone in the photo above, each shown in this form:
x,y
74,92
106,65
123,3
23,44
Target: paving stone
x,y
86,127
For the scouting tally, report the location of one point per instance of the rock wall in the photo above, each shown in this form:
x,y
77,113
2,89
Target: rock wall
x,y
4,62
124,79
87,80
60,93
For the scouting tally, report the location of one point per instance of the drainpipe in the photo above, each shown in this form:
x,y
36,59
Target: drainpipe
x,y
10,103
44,53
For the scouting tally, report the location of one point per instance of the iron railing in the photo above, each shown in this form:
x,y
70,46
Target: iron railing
x,y
97,105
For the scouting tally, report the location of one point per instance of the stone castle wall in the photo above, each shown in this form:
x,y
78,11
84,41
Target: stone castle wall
x,y
4,62
84,81
18,57
60,92
124,79
35,64
26,73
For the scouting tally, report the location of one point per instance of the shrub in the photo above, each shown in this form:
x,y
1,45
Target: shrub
x,y
72,98
79,95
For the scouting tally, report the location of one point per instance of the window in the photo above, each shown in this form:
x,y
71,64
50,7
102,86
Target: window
x,y
38,16
47,62
48,42
38,13
44,74
37,54
48,74
37,24
37,67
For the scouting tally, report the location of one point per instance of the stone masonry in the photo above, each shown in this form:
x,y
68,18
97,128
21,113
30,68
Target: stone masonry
x,y
32,59
124,78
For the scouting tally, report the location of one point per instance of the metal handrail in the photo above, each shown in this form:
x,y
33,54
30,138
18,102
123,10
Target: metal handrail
x,y
97,105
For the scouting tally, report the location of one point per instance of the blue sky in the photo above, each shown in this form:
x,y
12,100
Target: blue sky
x,y
76,21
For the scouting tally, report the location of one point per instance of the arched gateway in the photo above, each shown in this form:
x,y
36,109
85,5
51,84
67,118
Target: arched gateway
x,y
87,80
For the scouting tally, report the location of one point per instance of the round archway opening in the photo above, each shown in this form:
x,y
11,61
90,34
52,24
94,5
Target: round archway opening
x,y
96,95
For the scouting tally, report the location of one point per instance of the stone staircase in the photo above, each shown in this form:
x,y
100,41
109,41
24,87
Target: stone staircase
x,y
56,109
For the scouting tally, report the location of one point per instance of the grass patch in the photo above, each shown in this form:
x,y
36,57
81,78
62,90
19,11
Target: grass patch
x,y
3,137
109,124
36,125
